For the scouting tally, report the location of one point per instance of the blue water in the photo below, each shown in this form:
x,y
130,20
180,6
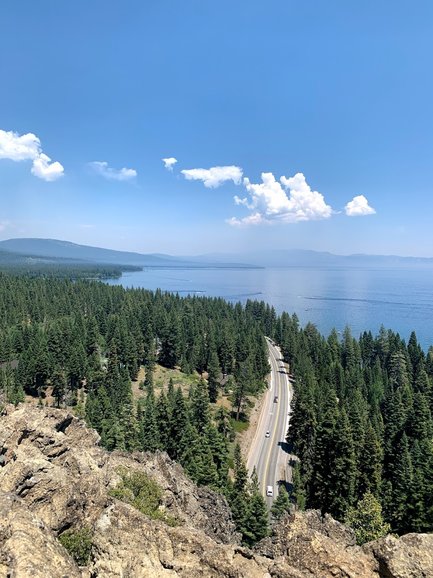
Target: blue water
x,y
399,299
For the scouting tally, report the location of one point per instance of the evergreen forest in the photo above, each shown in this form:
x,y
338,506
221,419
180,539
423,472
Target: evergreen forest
x,y
361,426
81,344
361,423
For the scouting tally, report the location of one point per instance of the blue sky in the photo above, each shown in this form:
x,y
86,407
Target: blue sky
x,y
335,97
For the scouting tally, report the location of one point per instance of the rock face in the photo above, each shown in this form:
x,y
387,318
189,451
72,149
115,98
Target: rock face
x,y
54,477
316,546
411,556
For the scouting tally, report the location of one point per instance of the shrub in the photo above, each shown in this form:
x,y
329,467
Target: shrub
x,y
78,543
143,493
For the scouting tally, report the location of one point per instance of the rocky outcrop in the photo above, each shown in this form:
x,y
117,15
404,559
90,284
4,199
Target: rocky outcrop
x,y
55,477
27,546
410,556
52,461
316,546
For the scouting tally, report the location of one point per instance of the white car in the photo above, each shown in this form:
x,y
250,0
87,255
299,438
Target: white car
x,y
268,434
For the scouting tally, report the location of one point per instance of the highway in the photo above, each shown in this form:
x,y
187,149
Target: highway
x,y
268,452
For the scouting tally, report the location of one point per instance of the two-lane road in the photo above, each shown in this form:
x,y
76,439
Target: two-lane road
x,y
267,453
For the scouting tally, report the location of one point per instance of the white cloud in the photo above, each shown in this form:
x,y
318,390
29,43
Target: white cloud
x,y
102,168
358,207
288,200
169,163
28,147
19,148
215,176
244,201
254,219
43,168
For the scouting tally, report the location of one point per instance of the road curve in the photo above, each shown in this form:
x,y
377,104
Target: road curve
x,y
269,454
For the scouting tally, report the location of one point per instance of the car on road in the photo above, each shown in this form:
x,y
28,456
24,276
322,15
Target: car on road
x,y
268,434
269,491
276,399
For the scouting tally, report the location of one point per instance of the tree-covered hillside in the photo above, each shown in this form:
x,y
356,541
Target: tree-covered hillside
x,y
361,422
83,342
32,265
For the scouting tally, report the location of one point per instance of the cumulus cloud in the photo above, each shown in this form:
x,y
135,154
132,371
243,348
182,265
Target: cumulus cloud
x,y
25,147
169,163
358,207
215,176
288,200
254,219
19,148
102,168
45,169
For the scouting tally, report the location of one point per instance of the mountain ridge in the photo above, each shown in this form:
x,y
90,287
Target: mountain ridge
x,y
60,249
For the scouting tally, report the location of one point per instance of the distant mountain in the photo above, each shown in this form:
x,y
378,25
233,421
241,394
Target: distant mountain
x,y
54,248
308,258
36,265
9,258
67,250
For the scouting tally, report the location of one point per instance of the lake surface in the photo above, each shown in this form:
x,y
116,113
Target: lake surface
x,y
400,299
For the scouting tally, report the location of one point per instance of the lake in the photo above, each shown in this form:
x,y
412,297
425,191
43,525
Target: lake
x,y
400,299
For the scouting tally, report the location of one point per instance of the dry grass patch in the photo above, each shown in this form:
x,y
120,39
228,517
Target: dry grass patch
x,y
162,376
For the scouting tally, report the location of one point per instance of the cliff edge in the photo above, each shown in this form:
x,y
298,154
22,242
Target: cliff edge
x,y
55,479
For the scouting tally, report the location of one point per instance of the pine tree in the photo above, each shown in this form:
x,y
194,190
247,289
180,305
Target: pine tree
x,y
370,464
394,416
150,366
366,520
171,339
244,381
200,413
417,498
344,471
402,485
178,424
219,450
238,497
197,458
113,435
282,504
170,394
189,454
163,420
76,365
302,432
149,424
226,350
213,376
255,525
298,493
419,425
58,383
321,489
12,389
222,420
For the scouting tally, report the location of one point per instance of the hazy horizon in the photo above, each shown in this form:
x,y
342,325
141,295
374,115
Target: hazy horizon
x,y
218,254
